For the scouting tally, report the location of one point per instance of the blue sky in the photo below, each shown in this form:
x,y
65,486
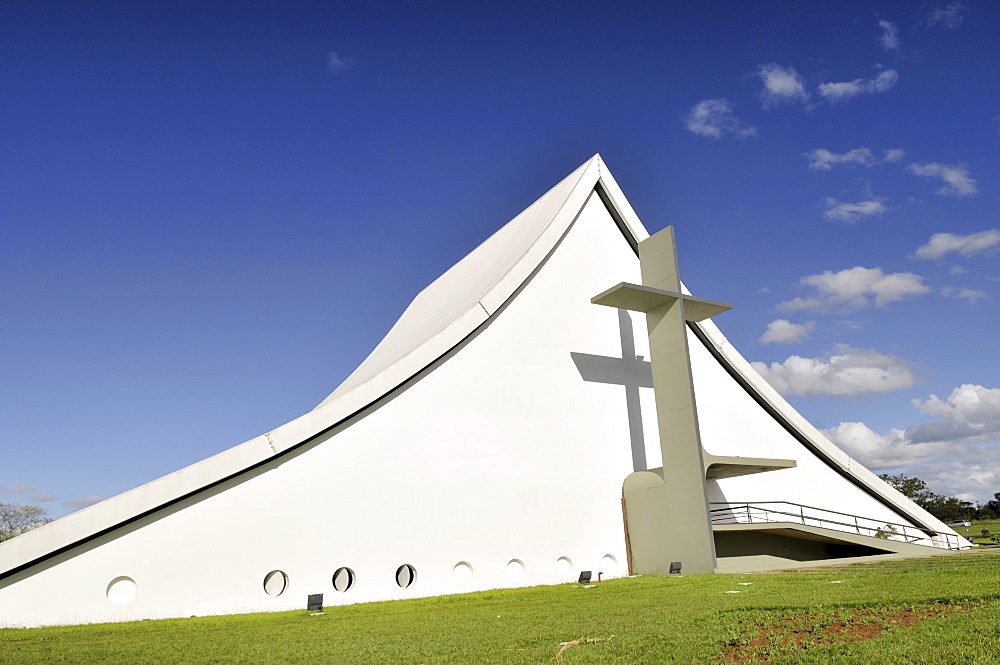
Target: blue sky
x,y
211,212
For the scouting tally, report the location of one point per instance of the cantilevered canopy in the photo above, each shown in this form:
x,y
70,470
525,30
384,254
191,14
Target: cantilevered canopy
x,y
639,298
729,466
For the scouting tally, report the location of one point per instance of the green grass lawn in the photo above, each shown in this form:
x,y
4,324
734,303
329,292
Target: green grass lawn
x,y
932,610
977,530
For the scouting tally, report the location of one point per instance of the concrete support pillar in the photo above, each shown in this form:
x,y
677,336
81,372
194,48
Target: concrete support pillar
x,y
669,519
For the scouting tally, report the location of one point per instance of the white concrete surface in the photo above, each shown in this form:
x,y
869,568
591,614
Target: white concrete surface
x,y
468,446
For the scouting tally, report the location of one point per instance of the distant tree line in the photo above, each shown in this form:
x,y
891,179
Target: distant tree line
x,y
16,518
945,508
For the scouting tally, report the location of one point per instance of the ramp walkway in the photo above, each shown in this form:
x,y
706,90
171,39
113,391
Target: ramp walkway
x,y
767,535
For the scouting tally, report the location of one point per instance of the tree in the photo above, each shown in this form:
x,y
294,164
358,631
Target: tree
x,y
17,518
989,510
912,488
945,508
948,508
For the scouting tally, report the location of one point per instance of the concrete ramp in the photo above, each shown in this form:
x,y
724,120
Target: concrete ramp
x,y
742,548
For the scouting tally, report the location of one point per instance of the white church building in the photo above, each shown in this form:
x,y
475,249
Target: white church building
x,y
557,402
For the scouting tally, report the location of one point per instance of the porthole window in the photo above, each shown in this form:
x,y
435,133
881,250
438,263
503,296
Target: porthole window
x,y
343,579
462,573
406,575
515,570
121,591
275,583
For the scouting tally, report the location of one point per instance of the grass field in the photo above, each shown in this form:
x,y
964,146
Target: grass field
x,y
934,610
977,530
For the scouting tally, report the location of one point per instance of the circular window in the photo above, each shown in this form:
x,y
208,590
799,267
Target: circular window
x,y
343,579
406,575
564,567
515,570
275,583
462,573
609,565
121,591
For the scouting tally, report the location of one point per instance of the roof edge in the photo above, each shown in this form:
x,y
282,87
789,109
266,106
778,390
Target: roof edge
x,y
62,534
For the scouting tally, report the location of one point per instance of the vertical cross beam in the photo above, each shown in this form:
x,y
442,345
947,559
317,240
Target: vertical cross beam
x,y
676,524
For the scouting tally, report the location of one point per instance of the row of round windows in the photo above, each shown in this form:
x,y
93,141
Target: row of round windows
x,y
123,590
276,581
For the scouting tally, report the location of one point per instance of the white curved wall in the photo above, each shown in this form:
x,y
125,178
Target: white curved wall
x,y
501,452
500,466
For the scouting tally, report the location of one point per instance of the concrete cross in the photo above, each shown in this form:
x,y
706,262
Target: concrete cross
x,y
682,530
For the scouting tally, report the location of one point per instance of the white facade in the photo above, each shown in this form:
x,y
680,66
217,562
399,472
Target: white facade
x,y
483,443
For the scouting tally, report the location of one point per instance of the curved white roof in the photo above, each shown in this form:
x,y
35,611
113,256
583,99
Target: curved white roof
x,y
464,297
445,313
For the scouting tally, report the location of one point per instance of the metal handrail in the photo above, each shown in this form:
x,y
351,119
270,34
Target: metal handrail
x,y
751,512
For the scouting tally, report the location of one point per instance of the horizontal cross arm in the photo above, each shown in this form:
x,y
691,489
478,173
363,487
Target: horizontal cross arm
x,y
639,298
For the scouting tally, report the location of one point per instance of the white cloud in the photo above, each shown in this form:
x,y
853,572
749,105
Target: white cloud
x,y
890,36
822,159
969,470
972,295
17,487
955,176
855,288
893,154
941,244
878,451
84,502
950,16
854,212
335,63
842,91
846,372
714,118
782,85
782,331
969,404
957,457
